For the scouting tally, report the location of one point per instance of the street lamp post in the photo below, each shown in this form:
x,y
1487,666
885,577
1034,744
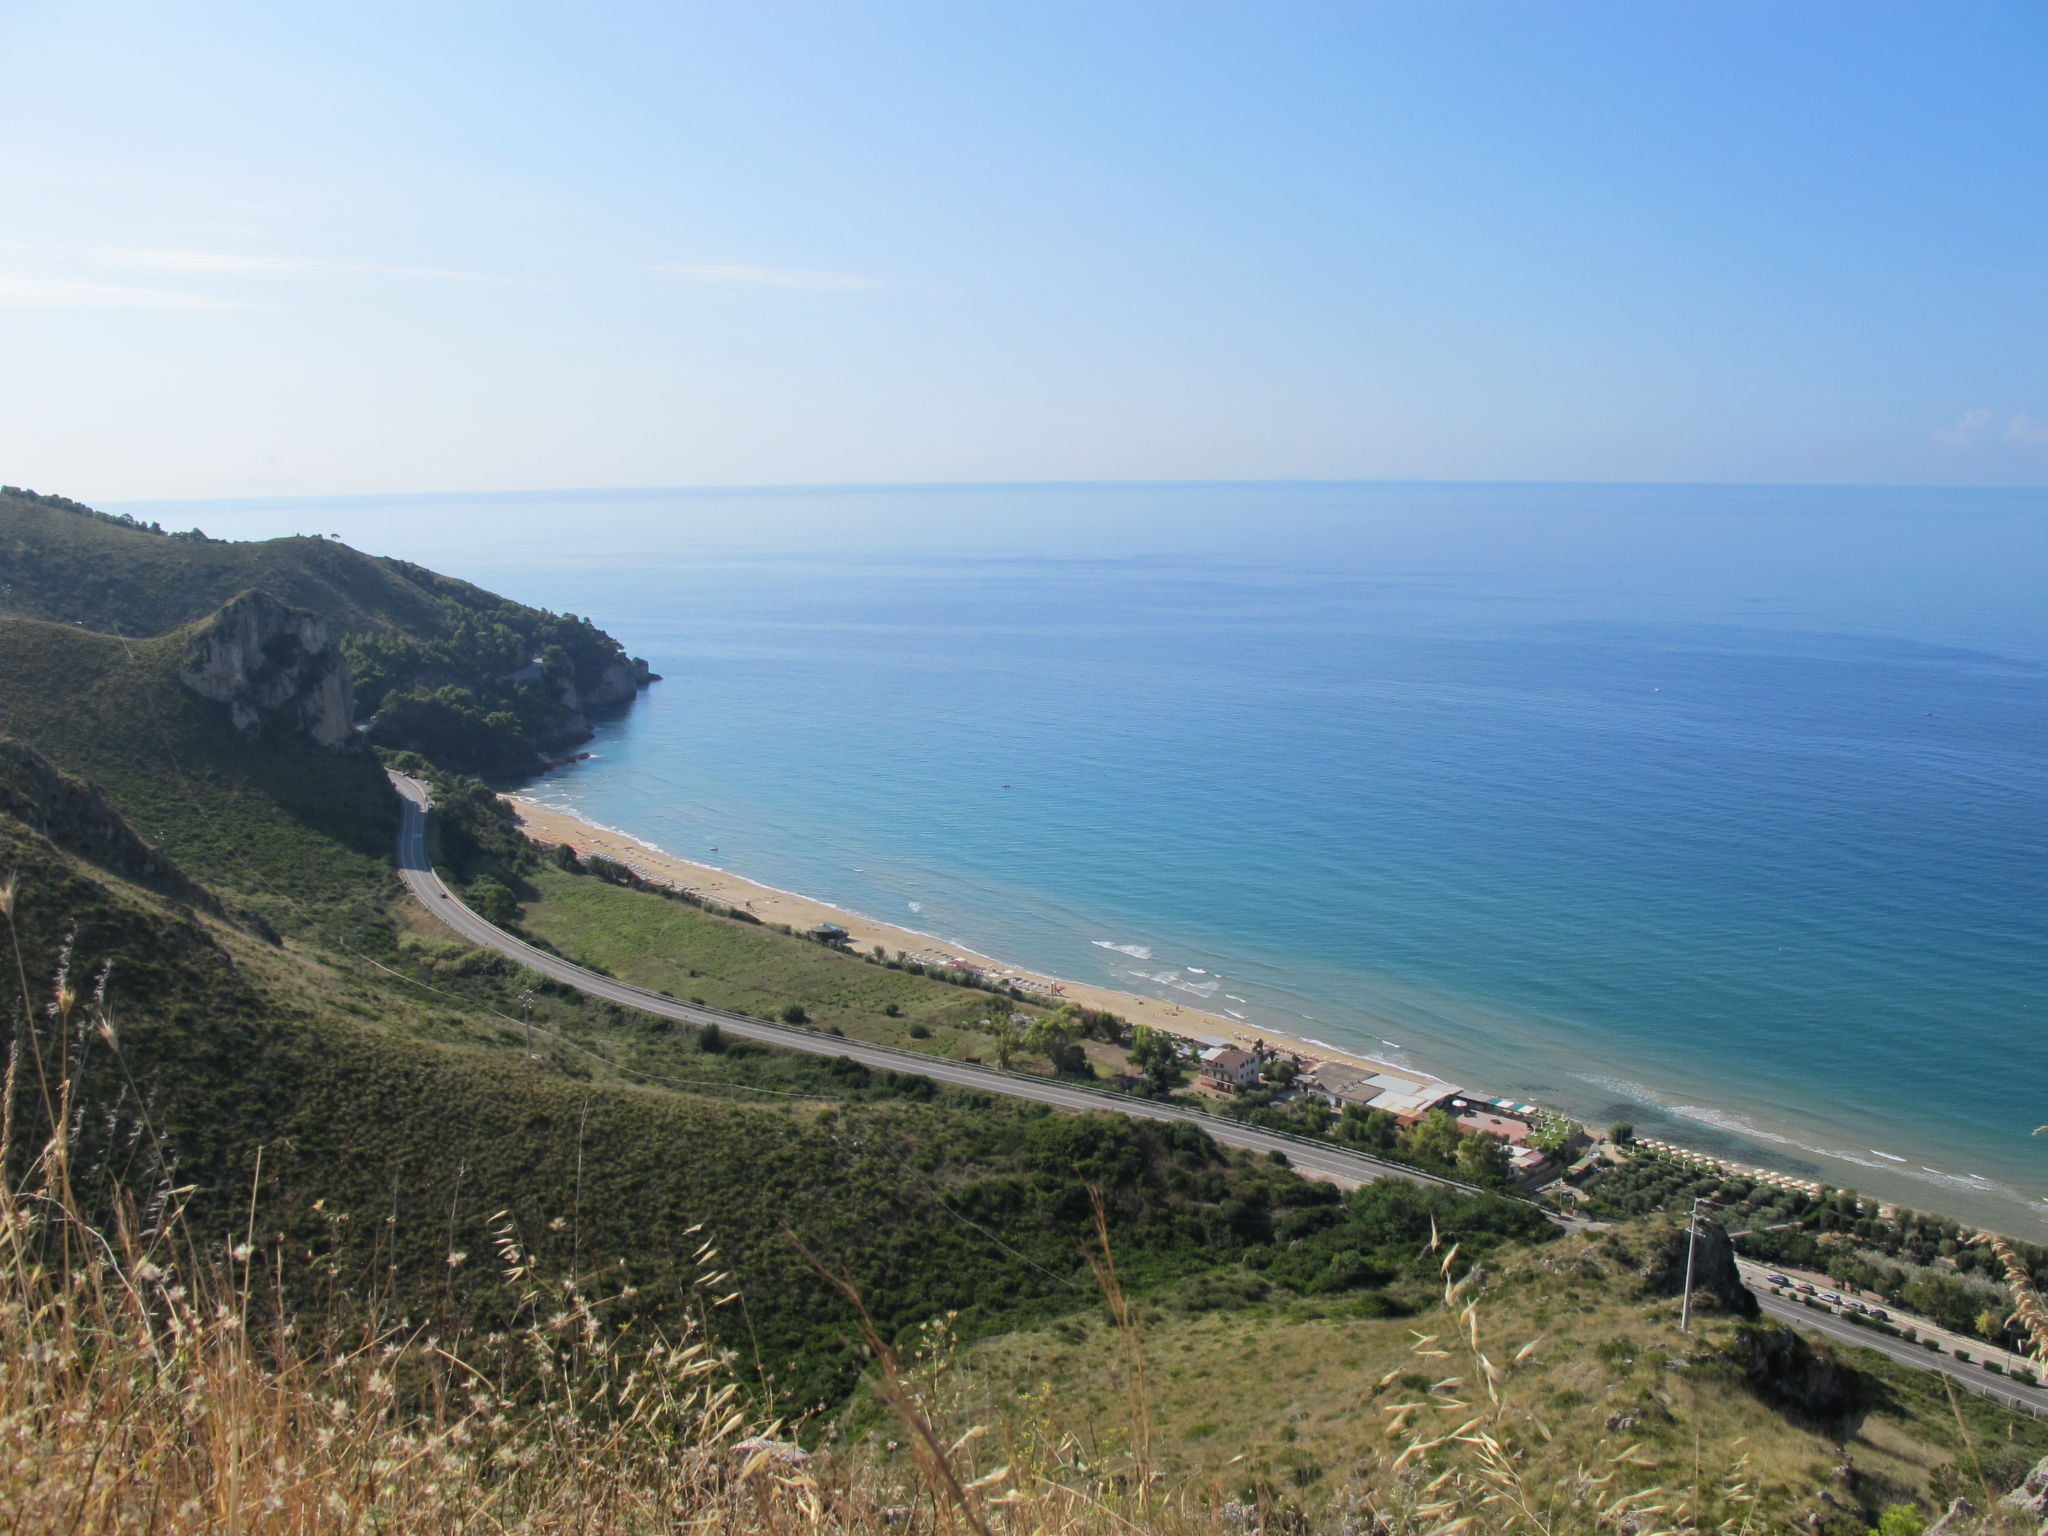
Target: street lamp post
x,y
1692,1246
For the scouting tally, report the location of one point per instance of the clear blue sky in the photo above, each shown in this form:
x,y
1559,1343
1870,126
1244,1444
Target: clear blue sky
x,y
279,249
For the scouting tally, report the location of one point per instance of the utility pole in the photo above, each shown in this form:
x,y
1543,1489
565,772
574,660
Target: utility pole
x,y
1692,1245
526,1018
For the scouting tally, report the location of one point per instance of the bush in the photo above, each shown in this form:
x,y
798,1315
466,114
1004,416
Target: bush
x,y
493,903
794,1014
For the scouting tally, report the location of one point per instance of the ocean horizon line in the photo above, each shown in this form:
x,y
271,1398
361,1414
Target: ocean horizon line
x,y
316,499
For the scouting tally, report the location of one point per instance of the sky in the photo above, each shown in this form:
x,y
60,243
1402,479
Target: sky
x,y
275,250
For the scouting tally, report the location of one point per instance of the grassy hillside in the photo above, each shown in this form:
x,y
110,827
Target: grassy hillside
x,y
296,833
1285,1401
286,1078
440,665
691,953
74,568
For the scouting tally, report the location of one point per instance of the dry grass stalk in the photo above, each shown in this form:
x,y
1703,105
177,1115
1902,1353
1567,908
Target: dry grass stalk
x,y
2029,1310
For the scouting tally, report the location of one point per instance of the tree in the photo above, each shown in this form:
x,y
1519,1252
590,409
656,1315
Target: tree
x,y
1158,1058
1369,1127
1434,1138
1283,1071
1900,1520
1004,1028
1621,1133
1484,1158
794,1014
493,903
1056,1037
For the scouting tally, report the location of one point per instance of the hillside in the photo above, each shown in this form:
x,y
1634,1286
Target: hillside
x,y
1596,1397
439,665
273,822
317,1087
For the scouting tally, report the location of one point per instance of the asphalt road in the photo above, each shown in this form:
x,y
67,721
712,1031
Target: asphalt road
x,y
1307,1156
2000,1389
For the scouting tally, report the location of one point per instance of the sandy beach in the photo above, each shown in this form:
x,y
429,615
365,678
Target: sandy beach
x,y
548,825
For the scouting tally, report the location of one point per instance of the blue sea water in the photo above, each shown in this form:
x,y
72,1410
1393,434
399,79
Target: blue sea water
x,y
1719,809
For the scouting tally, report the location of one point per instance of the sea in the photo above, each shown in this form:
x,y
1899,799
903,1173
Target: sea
x,y
1719,809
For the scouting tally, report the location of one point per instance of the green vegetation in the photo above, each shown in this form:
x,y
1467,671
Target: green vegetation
x,y
1282,1399
276,824
441,666
1924,1263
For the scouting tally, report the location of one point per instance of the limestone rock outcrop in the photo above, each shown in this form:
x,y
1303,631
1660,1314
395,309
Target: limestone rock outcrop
x,y
1716,1282
273,665
2031,1497
616,683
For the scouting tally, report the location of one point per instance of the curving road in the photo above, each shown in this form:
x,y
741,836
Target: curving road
x,y
1313,1157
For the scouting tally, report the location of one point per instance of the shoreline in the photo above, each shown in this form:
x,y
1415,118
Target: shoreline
x,y
549,825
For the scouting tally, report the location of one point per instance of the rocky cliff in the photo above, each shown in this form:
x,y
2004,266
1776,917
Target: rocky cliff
x,y
270,664
1716,1283
615,683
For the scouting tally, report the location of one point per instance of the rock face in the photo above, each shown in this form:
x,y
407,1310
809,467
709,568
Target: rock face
x,y
1716,1283
273,664
76,817
1783,1369
2031,1497
615,683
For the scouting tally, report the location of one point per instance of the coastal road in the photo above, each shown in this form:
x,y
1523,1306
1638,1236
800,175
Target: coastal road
x,y
1312,1157
1318,1158
2000,1389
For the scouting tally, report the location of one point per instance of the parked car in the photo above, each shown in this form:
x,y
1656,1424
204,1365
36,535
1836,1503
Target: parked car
x,y
1880,1314
1778,1279
1855,1306
1803,1288
1832,1298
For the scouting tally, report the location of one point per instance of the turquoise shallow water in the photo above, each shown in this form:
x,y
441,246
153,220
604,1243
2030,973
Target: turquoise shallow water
x,y
1718,809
